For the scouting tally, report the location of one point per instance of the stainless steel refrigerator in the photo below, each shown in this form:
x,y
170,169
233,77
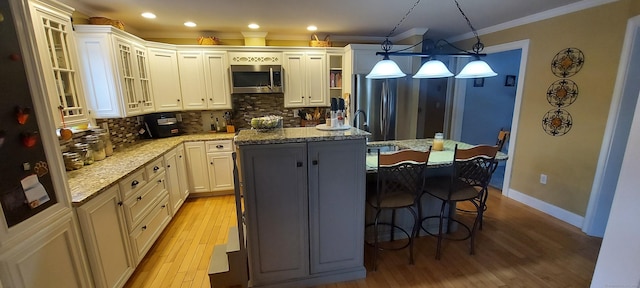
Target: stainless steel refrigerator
x,y
379,100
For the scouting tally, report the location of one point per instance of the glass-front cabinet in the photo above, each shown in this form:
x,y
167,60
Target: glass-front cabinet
x,y
55,43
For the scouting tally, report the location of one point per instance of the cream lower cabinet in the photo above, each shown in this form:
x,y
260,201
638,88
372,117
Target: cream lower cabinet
x,y
177,182
106,239
305,79
210,166
304,206
50,257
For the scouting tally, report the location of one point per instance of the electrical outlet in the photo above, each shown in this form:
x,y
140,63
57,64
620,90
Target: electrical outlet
x,y
296,112
543,178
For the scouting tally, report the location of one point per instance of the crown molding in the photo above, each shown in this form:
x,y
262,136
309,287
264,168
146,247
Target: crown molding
x,y
563,10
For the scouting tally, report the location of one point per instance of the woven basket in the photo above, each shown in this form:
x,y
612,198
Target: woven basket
x,y
207,41
315,42
106,21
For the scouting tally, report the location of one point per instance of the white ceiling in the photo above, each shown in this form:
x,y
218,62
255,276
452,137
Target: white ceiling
x,y
342,19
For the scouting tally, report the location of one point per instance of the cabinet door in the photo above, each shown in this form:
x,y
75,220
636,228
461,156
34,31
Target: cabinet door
x,y
165,79
173,183
106,239
197,167
336,204
143,85
316,80
216,80
56,45
275,183
183,181
192,80
125,56
294,73
221,172
100,74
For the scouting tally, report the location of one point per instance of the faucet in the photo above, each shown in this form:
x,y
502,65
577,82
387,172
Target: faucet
x,y
365,127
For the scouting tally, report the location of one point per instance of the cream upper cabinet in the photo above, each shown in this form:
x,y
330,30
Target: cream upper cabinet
x,y
305,79
115,70
204,79
216,79
165,79
57,54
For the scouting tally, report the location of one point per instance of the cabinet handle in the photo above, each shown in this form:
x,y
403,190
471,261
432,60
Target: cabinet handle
x,y
156,168
144,227
314,162
134,183
299,164
120,203
219,146
139,198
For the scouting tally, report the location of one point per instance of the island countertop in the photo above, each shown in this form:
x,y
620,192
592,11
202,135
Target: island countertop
x,y
298,134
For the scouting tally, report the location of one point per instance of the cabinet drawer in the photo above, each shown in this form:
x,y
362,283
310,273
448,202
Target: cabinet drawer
x,y
133,183
155,168
219,146
146,233
138,206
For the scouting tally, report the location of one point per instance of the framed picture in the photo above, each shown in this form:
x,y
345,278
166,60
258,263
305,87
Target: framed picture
x,y
510,80
478,82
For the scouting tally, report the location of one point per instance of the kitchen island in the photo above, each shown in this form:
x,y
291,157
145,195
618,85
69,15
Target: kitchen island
x,y
304,199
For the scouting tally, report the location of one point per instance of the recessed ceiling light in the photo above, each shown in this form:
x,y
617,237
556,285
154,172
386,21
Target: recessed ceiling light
x,y
254,26
312,28
149,15
190,24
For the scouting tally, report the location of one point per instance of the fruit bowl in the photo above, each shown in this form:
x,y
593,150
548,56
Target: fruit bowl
x,y
266,122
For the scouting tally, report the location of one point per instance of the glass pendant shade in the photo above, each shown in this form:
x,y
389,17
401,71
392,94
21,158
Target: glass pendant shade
x,y
384,69
476,69
433,69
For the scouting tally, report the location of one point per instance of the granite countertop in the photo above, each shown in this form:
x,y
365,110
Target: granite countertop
x,y
436,158
299,134
89,181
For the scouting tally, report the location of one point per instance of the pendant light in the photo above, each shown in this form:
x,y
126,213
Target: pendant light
x,y
433,68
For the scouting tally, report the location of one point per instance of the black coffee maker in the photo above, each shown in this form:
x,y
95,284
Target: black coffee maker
x,y
161,125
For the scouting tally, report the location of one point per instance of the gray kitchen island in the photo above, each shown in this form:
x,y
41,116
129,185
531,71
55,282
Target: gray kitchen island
x,y
304,202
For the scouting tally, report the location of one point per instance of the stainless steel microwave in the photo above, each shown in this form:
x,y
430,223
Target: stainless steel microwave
x,y
257,79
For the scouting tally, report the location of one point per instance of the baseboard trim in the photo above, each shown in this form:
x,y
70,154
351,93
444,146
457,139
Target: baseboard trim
x,y
555,211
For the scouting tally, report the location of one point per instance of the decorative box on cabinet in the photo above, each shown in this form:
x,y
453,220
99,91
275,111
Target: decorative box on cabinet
x,y
106,239
115,70
305,211
58,58
165,79
305,79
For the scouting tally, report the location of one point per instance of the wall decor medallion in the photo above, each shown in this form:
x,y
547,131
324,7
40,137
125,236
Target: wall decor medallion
x,y
562,93
567,62
557,122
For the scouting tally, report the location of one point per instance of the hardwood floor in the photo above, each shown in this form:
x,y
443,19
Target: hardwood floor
x,y
518,247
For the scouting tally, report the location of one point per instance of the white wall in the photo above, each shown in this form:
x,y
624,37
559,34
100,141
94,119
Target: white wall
x,y
619,260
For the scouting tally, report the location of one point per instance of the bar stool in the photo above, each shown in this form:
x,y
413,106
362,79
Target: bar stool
x,y
398,184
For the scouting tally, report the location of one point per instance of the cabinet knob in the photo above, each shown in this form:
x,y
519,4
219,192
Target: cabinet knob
x,y
210,99
211,163
314,162
178,100
299,164
156,168
139,198
120,203
134,183
168,166
160,181
144,227
219,146
202,99
163,206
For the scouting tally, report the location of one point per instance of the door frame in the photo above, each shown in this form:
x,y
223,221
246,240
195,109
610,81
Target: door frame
x,y
614,140
458,98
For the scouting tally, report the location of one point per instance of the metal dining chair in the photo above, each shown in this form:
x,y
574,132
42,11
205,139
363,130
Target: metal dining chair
x,y
399,182
469,179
